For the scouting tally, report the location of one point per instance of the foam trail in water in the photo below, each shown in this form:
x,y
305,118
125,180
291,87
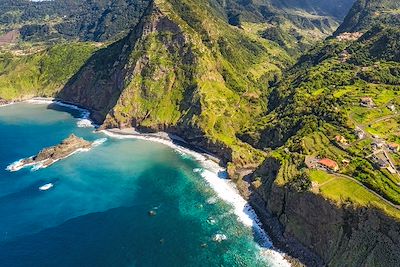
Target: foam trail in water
x,y
99,142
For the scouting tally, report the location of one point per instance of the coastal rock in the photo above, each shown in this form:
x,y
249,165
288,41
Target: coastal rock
x,y
50,155
3,102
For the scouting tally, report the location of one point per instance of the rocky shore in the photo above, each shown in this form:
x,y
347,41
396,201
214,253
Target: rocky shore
x,y
50,155
4,102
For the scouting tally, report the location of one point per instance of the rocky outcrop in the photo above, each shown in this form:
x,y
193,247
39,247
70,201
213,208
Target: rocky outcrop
x,y
322,233
4,102
50,155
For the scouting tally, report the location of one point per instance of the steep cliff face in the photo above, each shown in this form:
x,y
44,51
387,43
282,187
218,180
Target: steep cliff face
x,y
183,69
99,83
337,235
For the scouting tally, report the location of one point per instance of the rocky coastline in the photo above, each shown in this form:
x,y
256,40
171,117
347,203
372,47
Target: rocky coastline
x,y
280,216
4,102
50,155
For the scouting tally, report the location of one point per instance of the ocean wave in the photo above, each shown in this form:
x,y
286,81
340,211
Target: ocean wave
x,y
15,166
212,200
39,101
211,221
46,187
197,170
99,142
84,123
216,177
84,120
8,104
219,238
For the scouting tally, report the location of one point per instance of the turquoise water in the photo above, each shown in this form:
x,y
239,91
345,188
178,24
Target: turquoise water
x,y
97,213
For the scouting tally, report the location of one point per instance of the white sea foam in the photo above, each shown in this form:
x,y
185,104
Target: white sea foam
x,y
211,220
219,237
226,190
8,104
84,123
212,200
40,101
84,120
197,170
15,166
46,187
99,142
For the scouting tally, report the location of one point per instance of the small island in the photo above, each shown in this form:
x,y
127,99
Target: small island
x,y
50,155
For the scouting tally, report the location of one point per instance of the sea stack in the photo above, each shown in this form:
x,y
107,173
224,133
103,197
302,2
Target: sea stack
x,y
50,155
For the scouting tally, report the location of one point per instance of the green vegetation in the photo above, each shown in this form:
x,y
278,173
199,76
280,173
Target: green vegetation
x,y
366,13
42,73
343,190
225,78
320,98
87,20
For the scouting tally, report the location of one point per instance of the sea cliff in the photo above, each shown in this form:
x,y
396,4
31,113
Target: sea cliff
x,y
321,232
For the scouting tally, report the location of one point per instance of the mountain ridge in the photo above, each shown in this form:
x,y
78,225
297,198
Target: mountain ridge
x,y
234,78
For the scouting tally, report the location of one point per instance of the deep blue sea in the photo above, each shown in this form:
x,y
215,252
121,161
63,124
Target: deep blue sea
x,y
97,213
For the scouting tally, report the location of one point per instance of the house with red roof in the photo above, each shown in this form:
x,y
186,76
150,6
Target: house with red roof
x,y
330,164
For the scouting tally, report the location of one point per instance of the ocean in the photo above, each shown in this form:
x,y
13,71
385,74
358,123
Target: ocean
x,y
126,202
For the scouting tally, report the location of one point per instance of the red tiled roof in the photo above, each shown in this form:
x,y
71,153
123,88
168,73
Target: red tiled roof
x,y
394,145
328,163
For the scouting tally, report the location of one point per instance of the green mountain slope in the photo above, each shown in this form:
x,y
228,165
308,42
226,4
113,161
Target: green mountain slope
x,y
222,75
87,20
182,69
43,72
321,99
295,25
367,13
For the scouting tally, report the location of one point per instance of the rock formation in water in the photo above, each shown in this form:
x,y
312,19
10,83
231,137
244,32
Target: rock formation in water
x,y
50,155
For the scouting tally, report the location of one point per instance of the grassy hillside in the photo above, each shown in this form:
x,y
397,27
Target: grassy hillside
x,y
294,25
42,73
367,13
87,20
321,98
183,69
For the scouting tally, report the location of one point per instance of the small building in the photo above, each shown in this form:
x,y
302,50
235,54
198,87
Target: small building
x,y
346,162
330,164
381,160
349,36
392,107
341,139
360,133
367,102
394,147
377,144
